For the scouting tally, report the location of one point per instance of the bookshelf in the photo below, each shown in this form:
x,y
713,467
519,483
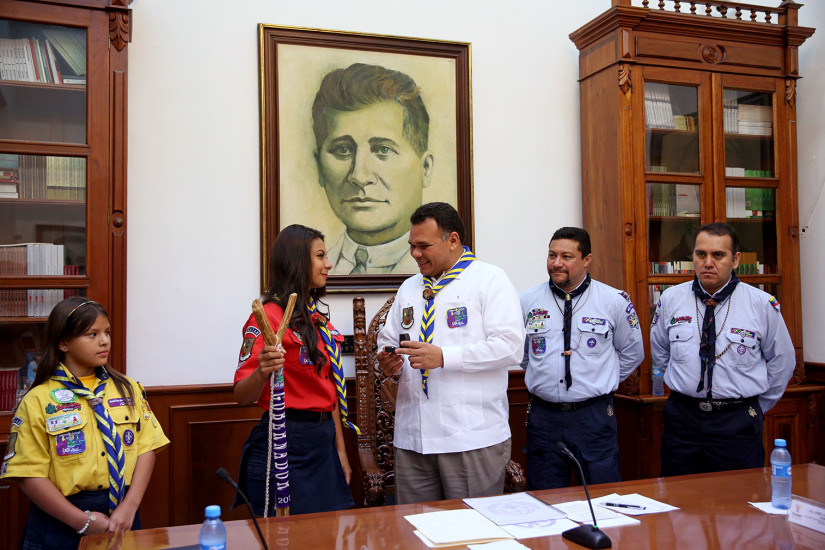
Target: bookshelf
x,y
63,67
687,117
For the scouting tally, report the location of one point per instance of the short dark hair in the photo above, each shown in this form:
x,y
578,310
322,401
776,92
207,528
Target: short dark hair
x,y
577,234
361,85
720,230
445,216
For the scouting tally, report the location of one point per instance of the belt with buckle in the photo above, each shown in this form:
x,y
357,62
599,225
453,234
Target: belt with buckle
x,y
297,415
709,405
571,406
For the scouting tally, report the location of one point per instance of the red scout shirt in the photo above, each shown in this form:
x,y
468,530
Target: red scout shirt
x,y
304,387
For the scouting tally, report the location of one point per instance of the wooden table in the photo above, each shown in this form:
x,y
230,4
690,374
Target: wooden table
x,y
713,514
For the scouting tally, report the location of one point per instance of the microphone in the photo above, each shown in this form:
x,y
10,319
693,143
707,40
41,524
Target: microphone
x,y
590,537
224,475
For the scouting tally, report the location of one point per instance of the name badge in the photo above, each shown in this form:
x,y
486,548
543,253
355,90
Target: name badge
x,y
457,317
63,421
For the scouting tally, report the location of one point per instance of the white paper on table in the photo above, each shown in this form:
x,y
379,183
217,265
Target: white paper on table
x,y
579,510
514,508
651,506
540,528
767,508
452,527
499,545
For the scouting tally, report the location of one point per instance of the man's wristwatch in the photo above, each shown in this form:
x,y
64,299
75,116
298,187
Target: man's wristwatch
x,y
91,517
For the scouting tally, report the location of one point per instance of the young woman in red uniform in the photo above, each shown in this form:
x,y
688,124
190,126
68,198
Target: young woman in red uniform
x,y
319,471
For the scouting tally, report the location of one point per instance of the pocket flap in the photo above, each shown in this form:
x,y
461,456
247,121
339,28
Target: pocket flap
x,y
680,333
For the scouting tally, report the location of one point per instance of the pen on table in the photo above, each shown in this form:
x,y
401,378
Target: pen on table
x,y
622,505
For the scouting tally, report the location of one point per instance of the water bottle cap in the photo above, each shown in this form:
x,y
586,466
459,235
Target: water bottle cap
x,y
213,511
779,443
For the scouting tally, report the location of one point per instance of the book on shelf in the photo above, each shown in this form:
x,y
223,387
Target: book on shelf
x,y
677,267
46,177
658,106
8,388
28,60
32,259
70,44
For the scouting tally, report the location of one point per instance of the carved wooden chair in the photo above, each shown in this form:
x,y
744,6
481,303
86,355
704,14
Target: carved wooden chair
x,y
376,393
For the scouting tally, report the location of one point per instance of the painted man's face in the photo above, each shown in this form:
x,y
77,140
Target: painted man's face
x,y
372,176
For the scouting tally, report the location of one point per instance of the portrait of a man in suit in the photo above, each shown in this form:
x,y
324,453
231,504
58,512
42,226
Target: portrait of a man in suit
x,y
371,131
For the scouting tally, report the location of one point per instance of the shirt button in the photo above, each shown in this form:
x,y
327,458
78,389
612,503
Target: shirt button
x,y
100,486
127,418
561,381
103,453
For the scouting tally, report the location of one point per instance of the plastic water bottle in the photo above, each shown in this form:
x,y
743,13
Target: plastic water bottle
x,y
658,381
780,476
213,531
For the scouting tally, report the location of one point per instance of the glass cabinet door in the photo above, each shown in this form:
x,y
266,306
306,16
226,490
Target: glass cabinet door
x,y
748,124
671,128
43,183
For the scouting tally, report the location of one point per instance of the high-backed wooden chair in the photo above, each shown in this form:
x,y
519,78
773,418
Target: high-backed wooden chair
x,y
376,393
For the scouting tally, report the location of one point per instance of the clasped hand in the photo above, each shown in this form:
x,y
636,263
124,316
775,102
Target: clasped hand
x,y
422,356
271,359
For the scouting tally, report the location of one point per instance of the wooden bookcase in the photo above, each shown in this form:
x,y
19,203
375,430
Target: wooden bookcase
x,y
62,177
688,116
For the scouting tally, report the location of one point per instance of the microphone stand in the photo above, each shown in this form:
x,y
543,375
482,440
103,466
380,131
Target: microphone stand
x,y
224,475
586,535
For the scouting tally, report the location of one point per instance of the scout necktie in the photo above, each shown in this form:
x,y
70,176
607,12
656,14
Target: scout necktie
x,y
707,345
430,289
334,351
568,321
111,439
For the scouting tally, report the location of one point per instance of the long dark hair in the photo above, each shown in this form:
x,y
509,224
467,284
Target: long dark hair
x,y
290,270
69,319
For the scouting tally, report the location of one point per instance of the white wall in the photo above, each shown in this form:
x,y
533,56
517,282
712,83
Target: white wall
x,y
193,226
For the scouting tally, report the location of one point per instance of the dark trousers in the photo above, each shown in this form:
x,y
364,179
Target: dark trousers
x,y
589,432
44,532
316,477
697,441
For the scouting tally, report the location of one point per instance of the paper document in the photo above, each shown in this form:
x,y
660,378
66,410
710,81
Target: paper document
x,y
499,545
514,508
579,510
767,508
544,528
645,505
455,527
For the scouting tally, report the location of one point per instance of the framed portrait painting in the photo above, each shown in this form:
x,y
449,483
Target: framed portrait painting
x,y
357,131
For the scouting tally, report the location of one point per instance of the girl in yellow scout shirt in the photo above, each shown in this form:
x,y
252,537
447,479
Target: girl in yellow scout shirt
x,y
83,438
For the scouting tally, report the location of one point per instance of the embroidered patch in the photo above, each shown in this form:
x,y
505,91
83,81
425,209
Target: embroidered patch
x,y
752,411
625,295
303,357
741,349
633,320
656,314
63,395
538,344
334,332
17,421
246,349
680,320
128,438
595,321
3,468
63,421
10,448
51,408
120,402
71,443
407,317
591,342
609,410
774,302
457,317
297,337
743,332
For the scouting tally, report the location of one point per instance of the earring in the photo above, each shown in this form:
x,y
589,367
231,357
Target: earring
x,y
64,350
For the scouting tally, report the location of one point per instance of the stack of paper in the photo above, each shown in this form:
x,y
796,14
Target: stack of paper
x,y
633,504
455,527
522,515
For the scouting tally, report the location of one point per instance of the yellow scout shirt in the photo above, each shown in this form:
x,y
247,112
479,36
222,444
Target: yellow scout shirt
x,y
54,434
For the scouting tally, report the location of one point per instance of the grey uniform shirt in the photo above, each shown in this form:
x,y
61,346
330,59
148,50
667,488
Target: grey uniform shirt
x,y
757,354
